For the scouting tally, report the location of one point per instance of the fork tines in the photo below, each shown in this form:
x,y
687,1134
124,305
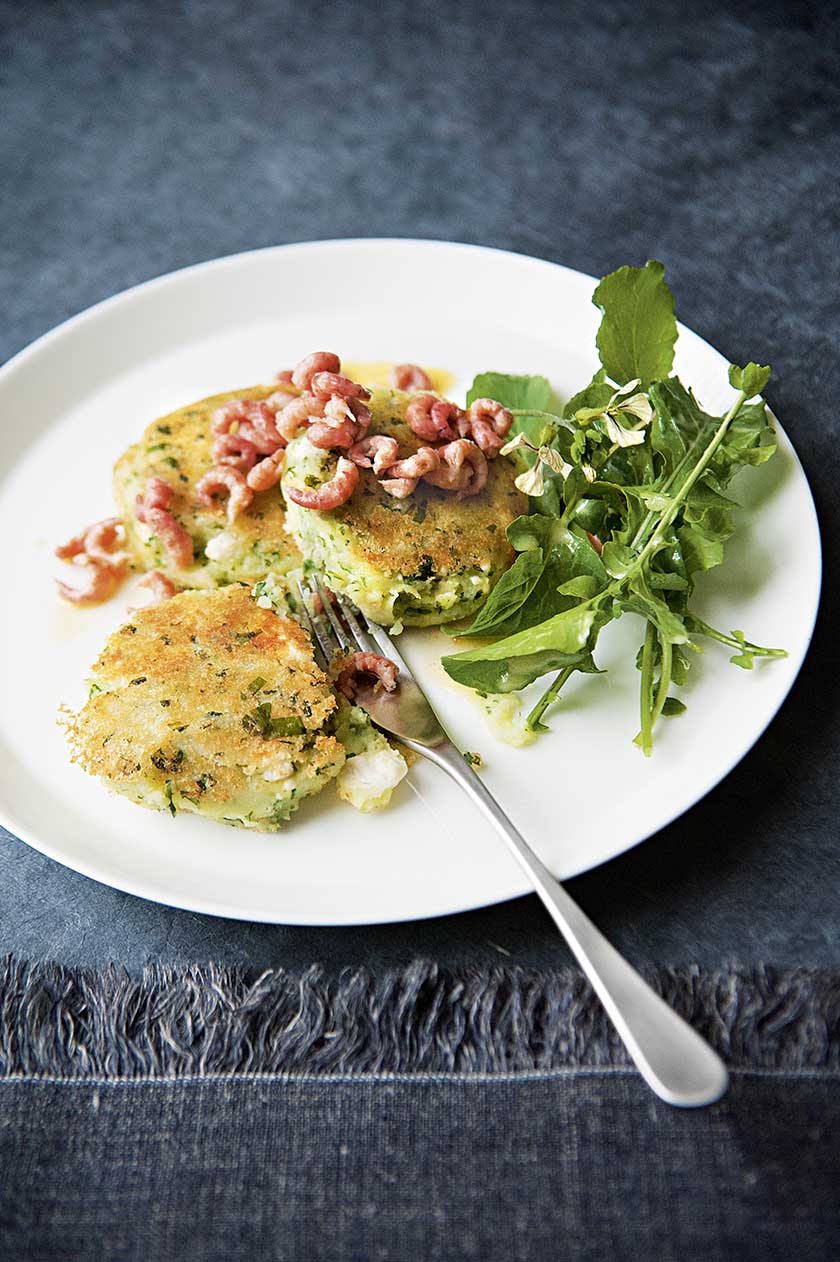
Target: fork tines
x,y
334,625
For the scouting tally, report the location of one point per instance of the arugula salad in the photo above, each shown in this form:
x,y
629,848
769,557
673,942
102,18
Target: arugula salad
x,y
627,487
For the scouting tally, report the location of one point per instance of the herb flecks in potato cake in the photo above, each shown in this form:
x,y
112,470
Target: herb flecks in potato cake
x,y
423,560
178,449
210,703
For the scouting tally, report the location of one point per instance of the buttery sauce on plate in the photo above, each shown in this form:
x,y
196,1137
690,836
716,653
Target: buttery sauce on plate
x,y
378,373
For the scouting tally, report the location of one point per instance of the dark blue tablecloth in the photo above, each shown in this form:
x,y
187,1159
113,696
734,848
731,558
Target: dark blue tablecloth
x,y
139,138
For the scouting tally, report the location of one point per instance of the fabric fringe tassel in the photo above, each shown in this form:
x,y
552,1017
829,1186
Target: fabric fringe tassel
x,y
208,1020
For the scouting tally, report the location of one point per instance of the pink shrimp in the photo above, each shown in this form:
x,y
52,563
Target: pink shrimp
x,y
345,422
410,377
284,377
280,398
296,414
328,385
235,450
161,587
96,541
228,414
433,418
486,423
73,547
176,540
223,479
400,488
333,493
424,460
318,361
102,582
153,511
260,428
104,541
376,451
381,669
463,469
267,473
158,494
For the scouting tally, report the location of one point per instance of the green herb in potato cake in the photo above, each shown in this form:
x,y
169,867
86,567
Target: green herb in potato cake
x,y
628,502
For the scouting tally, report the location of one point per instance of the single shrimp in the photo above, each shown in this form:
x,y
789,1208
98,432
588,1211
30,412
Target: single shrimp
x,y
223,479
291,418
463,468
345,422
153,511
318,361
235,450
433,418
486,422
376,451
158,494
424,460
329,385
96,541
102,582
280,398
400,488
410,377
104,541
372,665
331,494
260,428
175,538
267,473
284,377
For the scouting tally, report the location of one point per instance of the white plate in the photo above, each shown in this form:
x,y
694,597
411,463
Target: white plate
x,y
71,402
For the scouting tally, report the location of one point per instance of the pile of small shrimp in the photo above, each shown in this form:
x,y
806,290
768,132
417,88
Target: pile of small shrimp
x,y
249,439
334,409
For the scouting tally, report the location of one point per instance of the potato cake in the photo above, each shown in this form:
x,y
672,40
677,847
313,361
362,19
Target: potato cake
x,y
213,704
177,449
426,559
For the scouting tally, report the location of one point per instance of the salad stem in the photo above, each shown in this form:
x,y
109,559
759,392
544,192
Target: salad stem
x,y
645,737
533,721
664,682
698,627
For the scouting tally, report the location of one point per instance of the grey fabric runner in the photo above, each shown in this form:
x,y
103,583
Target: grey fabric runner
x,y
207,1021
197,1113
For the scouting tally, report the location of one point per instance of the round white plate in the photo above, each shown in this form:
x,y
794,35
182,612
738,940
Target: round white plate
x,y
70,404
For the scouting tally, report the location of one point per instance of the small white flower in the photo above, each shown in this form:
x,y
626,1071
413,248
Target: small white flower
x,y
554,460
521,440
531,482
639,405
623,437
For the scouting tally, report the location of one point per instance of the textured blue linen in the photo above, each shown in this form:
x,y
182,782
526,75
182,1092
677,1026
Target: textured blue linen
x,y
139,138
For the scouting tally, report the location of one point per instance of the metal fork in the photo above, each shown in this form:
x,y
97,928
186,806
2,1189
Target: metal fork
x,y
677,1064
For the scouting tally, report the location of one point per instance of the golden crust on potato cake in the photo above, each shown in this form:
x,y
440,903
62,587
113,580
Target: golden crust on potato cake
x,y
210,703
426,559
177,448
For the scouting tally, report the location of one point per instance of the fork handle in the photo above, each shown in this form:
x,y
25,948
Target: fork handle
x,y
675,1062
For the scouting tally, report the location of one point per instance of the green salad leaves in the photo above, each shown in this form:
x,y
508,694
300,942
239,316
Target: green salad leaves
x,y
627,487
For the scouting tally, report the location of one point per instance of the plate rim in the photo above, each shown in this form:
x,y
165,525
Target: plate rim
x,y
209,906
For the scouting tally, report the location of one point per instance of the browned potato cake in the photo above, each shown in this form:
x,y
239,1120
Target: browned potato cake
x,y
423,560
177,448
210,703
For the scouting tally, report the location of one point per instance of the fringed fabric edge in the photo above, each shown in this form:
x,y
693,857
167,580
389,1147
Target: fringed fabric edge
x,y
208,1020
